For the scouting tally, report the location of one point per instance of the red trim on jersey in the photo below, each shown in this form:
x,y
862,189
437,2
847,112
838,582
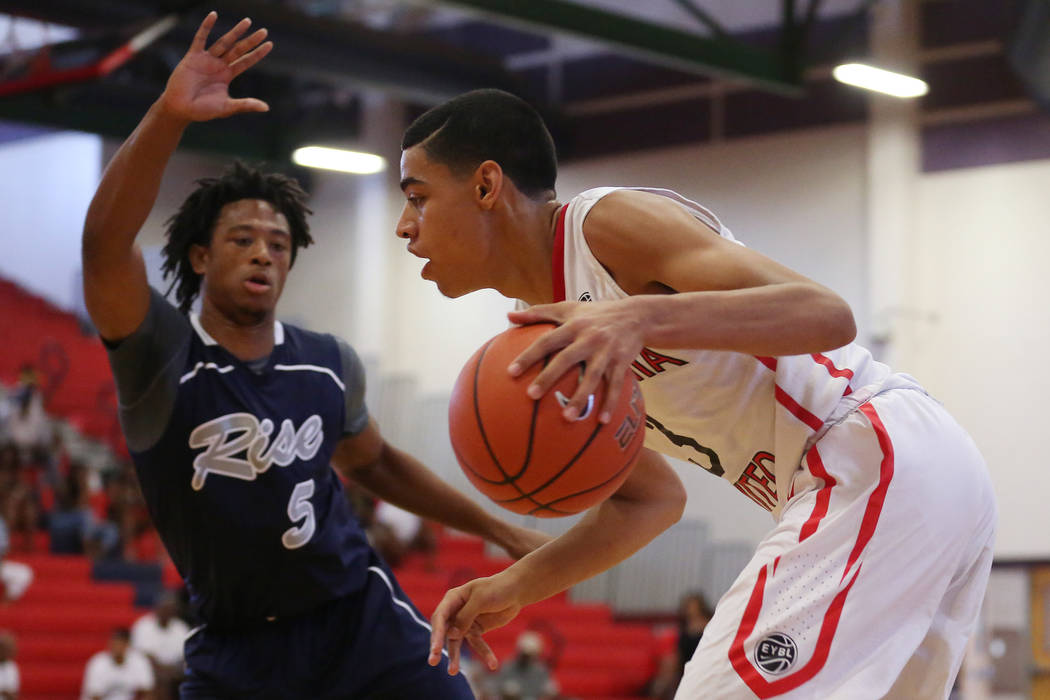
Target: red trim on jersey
x,y
738,657
558,256
835,371
816,467
796,409
784,399
770,362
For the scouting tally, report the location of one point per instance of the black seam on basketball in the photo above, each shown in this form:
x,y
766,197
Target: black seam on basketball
x,y
532,431
508,479
627,464
564,469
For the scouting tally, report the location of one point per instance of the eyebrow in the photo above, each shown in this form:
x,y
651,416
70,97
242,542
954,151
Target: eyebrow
x,y
249,227
405,182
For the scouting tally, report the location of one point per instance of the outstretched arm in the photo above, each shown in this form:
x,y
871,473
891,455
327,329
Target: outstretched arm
x,y
649,501
399,478
115,287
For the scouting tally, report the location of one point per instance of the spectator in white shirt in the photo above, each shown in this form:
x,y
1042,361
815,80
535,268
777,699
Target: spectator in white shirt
x,y
160,635
15,577
119,672
9,680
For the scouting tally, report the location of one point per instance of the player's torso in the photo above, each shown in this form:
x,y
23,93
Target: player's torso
x,y
240,485
744,418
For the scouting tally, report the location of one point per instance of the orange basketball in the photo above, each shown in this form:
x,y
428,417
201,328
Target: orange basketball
x,y
521,452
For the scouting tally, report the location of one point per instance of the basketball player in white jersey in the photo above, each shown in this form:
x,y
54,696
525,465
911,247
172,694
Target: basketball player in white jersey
x,y
871,581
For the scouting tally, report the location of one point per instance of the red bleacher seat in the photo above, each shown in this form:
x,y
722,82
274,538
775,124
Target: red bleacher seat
x,y
596,656
62,619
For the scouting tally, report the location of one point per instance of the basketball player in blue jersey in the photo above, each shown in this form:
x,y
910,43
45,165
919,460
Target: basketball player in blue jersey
x,y
234,421
870,583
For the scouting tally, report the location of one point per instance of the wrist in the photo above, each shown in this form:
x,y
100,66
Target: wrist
x,y
165,115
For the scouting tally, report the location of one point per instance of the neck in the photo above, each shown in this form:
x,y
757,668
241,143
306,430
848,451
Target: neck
x,y
246,339
529,244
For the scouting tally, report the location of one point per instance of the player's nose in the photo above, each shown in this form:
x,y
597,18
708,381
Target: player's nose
x,y
406,225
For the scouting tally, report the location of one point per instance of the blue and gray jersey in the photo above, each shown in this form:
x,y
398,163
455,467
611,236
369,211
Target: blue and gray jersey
x,y
233,460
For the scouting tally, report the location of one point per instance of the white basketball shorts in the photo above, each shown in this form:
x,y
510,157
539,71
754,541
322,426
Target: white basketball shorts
x,y
871,583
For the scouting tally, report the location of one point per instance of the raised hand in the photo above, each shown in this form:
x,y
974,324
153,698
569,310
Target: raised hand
x,y
198,88
606,336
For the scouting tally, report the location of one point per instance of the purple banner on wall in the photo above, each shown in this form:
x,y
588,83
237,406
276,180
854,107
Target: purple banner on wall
x,y
986,142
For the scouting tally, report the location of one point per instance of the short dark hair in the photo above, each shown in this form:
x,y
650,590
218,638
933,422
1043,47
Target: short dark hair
x,y
193,223
489,125
122,633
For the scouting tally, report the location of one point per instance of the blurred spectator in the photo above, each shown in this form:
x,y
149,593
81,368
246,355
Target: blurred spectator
x,y
160,635
14,576
380,535
9,679
28,426
526,677
409,533
19,501
693,616
118,672
74,527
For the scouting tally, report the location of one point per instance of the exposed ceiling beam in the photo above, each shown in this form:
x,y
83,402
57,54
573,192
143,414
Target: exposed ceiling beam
x,y
722,57
311,48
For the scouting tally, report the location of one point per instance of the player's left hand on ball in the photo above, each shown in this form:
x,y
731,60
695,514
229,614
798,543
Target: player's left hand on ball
x,y
466,613
606,336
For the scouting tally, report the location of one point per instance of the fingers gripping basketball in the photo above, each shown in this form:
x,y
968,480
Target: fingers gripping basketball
x,y
522,453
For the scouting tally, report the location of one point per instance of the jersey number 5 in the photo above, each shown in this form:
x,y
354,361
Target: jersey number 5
x,y
299,507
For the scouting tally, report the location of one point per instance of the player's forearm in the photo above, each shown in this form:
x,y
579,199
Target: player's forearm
x,y
650,501
402,480
130,184
792,318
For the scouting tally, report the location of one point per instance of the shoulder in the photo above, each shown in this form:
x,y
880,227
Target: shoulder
x,y
633,232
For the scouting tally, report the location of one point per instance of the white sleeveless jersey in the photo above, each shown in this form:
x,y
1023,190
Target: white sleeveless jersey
x,y
747,419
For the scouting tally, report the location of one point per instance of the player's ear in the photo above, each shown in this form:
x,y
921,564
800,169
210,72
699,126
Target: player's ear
x,y
198,255
488,183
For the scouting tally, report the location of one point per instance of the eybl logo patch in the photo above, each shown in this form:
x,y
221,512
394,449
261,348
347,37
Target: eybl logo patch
x,y
776,653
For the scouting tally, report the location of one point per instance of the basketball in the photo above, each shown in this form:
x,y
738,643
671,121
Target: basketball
x,y
521,452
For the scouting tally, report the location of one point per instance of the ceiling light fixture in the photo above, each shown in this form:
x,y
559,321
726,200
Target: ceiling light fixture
x,y
880,80
339,159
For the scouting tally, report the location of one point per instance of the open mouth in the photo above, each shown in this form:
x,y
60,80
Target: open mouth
x,y
258,284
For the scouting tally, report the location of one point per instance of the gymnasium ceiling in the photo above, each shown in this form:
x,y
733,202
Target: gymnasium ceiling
x,y
610,75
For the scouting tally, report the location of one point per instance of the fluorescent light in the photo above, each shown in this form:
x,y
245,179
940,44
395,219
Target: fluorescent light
x,y
879,80
339,159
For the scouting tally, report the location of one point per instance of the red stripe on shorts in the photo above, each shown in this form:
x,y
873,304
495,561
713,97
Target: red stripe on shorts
x,y
738,657
816,467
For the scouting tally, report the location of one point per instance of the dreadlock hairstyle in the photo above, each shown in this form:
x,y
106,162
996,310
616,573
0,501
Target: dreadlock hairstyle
x,y
192,224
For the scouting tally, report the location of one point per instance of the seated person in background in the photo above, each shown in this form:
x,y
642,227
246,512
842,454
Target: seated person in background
x,y
160,635
19,501
118,672
9,679
693,616
409,532
15,577
526,677
28,425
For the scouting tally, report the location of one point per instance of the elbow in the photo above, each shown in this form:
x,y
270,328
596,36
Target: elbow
x,y
845,326
838,327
